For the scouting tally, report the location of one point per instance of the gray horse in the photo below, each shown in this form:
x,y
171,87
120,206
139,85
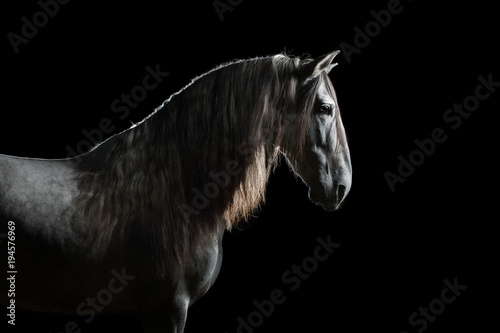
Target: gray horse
x,y
136,224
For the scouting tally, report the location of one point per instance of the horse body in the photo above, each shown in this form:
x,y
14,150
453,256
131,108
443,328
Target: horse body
x,y
137,223
59,273
38,194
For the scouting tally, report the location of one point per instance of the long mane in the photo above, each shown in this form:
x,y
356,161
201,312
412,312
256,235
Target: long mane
x,y
164,183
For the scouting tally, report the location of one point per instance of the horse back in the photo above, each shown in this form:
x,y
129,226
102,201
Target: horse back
x,y
37,194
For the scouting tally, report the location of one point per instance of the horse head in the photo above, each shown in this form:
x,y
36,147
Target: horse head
x,y
323,161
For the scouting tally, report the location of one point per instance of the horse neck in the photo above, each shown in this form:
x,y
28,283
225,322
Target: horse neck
x,y
224,165
185,145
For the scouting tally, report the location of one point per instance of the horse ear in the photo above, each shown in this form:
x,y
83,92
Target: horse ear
x,y
323,63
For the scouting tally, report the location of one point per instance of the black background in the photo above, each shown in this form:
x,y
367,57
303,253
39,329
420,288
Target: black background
x,y
396,247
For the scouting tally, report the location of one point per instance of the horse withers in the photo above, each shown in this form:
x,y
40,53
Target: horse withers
x,y
136,224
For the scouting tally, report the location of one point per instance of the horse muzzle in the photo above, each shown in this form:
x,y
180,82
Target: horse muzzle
x,y
330,199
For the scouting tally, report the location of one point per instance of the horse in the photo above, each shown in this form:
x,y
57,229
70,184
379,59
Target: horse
x,y
136,223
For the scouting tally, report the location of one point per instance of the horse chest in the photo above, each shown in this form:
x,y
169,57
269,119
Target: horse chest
x,y
203,271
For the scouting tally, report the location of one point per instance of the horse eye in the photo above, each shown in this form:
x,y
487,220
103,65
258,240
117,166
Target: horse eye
x,y
325,108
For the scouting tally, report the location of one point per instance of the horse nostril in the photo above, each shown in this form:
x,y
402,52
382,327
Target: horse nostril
x,y
341,189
